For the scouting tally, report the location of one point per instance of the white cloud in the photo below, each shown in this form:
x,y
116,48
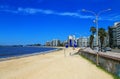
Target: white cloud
x,y
113,17
34,11
48,12
74,15
117,17
68,14
27,10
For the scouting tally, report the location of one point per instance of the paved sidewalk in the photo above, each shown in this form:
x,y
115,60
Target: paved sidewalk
x,y
108,53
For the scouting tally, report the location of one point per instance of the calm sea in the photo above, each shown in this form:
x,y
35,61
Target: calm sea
x,y
8,51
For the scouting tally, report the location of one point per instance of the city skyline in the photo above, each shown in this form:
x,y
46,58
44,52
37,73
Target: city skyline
x,y
37,21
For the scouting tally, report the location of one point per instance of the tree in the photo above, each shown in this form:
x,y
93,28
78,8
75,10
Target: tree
x,y
93,30
102,34
91,40
110,33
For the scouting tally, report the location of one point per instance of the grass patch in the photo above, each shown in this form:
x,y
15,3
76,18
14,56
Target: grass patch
x,y
114,76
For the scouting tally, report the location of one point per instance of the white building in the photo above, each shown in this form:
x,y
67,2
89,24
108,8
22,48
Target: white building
x,y
115,34
118,33
54,42
83,42
71,40
95,41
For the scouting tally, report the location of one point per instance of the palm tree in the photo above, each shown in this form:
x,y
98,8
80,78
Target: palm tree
x,y
102,34
93,30
110,33
91,40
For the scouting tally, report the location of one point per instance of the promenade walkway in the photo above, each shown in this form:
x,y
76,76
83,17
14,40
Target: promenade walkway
x,y
56,65
110,54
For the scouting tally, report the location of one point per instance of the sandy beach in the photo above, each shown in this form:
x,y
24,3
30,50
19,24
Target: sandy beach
x,y
55,65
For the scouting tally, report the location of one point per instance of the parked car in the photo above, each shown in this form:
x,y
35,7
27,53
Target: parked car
x,y
108,49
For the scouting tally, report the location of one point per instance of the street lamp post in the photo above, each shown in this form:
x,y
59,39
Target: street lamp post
x,y
96,21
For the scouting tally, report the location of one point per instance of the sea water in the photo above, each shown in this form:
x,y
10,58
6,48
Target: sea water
x,y
9,51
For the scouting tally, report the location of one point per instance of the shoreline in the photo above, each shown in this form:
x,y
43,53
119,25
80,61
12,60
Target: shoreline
x,y
50,66
28,55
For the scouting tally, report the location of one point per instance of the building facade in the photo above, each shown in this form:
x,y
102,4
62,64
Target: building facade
x,y
118,33
83,41
55,42
114,35
71,40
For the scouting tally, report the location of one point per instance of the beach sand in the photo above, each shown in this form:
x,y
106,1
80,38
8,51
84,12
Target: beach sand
x,y
55,65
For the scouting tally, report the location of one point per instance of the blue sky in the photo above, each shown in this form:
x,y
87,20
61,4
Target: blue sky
x,y
38,21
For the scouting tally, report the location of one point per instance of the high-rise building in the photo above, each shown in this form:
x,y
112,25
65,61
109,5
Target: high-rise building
x,y
71,40
114,35
83,41
55,42
118,33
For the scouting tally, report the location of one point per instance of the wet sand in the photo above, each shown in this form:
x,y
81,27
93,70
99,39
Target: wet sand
x,y
55,65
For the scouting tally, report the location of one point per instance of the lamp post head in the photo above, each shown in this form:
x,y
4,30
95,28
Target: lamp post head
x,y
94,21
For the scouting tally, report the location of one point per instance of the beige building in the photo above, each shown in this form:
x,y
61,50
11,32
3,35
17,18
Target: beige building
x,y
83,42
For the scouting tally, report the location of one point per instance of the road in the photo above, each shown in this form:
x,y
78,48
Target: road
x,y
116,50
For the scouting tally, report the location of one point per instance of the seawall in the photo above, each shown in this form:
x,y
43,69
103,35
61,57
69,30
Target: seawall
x,y
108,61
